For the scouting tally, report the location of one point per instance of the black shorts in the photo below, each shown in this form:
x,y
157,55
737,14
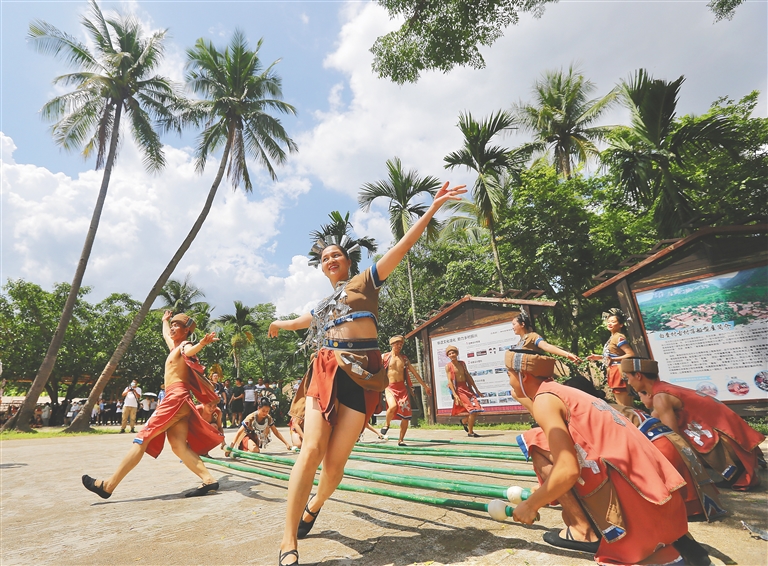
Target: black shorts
x,y
349,393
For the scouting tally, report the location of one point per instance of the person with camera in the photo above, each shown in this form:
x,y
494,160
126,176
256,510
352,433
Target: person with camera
x,y
131,399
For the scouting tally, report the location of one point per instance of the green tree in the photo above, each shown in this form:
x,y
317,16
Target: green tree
x,y
724,9
181,296
440,34
650,158
561,118
402,189
115,77
490,162
242,325
238,95
732,191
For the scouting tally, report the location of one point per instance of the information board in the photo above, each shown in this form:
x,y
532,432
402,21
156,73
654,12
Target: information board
x,y
711,334
482,349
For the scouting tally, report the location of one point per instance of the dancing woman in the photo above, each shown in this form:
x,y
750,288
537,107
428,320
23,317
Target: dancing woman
x,y
338,405
616,349
529,340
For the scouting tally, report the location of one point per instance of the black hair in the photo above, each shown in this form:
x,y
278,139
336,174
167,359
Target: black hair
x,y
524,320
618,313
581,383
264,402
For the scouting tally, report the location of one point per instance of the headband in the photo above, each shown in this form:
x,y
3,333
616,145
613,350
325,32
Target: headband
x,y
186,321
396,338
530,362
639,365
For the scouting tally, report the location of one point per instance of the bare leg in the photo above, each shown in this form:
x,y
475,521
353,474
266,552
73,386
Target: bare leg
x,y
317,432
573,515
177,438
391,407
340,444
471,422
129,462
295,439
403,429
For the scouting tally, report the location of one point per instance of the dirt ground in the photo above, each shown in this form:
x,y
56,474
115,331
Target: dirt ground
x,y
47,517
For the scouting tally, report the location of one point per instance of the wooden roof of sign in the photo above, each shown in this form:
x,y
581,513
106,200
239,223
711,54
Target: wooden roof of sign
x,y
447,308
663,249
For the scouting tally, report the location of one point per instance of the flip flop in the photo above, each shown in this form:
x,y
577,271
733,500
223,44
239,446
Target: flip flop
x,y
384,430
553,537
90,484
466,426
203,490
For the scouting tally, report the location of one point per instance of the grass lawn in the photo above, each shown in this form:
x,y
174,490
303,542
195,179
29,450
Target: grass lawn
x,y
54,432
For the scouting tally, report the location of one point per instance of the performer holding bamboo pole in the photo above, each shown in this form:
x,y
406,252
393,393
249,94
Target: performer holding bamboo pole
x,y
344,383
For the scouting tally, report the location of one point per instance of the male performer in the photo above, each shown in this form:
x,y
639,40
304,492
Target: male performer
x,y
596,463
722,438
399,370
188,433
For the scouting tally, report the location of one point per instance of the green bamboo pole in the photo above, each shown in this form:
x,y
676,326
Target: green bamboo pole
x,y
512,445
429,500
455,486
441,466
437,452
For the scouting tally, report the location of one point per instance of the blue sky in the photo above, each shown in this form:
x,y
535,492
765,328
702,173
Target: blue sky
x,y
253,248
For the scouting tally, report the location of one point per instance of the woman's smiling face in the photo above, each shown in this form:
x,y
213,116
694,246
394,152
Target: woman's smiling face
x,y
335,264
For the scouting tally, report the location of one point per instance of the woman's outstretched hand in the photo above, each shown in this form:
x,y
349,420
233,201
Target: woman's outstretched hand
x,y
447,193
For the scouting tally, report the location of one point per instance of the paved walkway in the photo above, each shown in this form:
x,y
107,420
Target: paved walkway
x,y
47,517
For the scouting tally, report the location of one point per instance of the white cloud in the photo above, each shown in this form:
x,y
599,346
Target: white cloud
x,y
145,218
351,141
304,18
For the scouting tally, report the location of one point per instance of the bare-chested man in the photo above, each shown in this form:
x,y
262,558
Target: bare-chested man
x,y
399,369
188,433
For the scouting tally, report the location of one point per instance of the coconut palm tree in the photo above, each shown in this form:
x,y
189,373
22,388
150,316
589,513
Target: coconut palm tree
x,y
238,96
650,156
113,78
490,163
402,189
179,296
242,324
561,118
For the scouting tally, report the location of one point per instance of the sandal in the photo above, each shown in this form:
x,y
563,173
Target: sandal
x,y
283,555
402,444
90,484
553,537
466,428
384,430
203,489
473,435
305,527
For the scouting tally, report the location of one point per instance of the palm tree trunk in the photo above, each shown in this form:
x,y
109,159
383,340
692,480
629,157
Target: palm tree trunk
x,y
418,345
30,401
496,258
82,423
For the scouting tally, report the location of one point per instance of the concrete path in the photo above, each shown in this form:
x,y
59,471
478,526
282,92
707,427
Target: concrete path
x,y
47,517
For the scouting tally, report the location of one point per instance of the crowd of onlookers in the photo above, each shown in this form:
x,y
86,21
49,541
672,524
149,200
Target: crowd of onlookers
x,y
134,407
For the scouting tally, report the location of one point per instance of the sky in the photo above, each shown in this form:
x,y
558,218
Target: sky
x,y
253,247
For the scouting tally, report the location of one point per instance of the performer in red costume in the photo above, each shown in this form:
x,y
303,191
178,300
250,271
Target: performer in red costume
x,y
176,417
722,438
464,391
599,465
399,371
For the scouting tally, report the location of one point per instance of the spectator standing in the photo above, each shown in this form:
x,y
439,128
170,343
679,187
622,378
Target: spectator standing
x,y
131,397
261,389
249,399
118,412
146,404
218,387
161,393
226,414
152,406
46,414
236,403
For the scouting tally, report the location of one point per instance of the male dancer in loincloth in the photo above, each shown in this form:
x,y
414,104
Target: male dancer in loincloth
x,y
399,370
188,433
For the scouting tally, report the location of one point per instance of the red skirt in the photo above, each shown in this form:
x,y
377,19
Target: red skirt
x,y
400,392
614,378
176,406
469,403
323,384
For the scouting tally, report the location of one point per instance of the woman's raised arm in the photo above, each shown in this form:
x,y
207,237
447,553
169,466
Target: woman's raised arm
x,y
396,253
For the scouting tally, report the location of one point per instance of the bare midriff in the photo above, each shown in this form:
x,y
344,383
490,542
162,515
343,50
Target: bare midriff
x,y
175,368
358,329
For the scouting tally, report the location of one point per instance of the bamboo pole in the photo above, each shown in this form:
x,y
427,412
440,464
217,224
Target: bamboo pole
x,y
429,500
437,452
512,445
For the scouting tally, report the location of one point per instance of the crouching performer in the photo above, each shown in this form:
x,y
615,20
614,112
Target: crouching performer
x,y
620,497
253,434
176,417
721,437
